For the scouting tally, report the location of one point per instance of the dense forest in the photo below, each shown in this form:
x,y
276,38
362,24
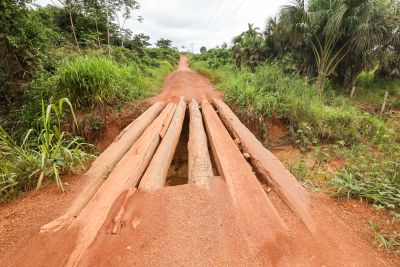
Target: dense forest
x,y
61,61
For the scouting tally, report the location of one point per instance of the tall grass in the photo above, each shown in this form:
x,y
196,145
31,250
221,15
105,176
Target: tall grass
x,y
371,90
272,93
370,148
44,153
98,81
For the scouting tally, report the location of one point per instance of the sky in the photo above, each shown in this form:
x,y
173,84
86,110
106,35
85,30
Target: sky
x,y
199,22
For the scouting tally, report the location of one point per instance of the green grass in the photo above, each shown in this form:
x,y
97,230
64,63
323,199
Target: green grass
x,y
97,81
310,116
369,146
93,83
47,152
370,173
371,91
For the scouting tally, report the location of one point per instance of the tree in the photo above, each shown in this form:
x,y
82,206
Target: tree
x,y
164,43
72,6
141,40
344,37
247,48
94,10
224,45
203,49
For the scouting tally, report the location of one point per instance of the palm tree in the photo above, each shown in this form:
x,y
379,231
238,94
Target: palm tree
x,y
247,48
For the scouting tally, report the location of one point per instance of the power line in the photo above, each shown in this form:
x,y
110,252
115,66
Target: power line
x,y
230,15
225,8
213,14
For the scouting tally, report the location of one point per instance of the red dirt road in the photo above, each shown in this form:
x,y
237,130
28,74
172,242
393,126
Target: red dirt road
x,y
187,83
185,225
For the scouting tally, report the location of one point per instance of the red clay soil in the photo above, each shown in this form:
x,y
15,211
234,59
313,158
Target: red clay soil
x,y
187,225
187,83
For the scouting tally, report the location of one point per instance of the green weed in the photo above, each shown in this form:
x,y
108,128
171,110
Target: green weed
x,y
47,152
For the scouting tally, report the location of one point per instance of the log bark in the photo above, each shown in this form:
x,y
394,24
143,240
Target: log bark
x,y
262,221
156,173
199,167
125,175
104,164
269,167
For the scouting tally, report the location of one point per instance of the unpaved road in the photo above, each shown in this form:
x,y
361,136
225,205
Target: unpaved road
x,y
187,83
185,225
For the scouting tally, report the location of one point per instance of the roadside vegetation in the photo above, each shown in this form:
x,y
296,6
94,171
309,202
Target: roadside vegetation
x,y
63,68
323,69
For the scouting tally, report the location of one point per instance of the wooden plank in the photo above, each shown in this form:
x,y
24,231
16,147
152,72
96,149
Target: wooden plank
x,y
268,166
199,167
262,221
156,174
125,175
104,164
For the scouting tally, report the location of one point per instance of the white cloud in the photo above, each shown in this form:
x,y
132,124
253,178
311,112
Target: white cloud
x,y
184,21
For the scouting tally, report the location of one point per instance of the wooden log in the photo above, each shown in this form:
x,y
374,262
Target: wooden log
x,y
269,167
104,164
124,176
262,221
167,122
199,167
156,174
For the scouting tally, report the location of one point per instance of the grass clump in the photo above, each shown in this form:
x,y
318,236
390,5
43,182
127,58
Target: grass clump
x,y
371,173
371,91
98,81
44,153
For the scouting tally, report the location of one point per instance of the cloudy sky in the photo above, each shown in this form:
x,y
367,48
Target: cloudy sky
x,y
199,22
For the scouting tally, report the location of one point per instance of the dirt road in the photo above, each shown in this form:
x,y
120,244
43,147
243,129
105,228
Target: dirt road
x,y
187,83
183,224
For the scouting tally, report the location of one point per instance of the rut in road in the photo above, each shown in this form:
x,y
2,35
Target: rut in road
x,y
219,214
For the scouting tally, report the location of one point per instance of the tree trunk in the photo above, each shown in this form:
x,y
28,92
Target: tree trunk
x,y
384,103
200,168
353,90
157,171
108,30
321,82
269,168
123,177
105,163
254,207
73,30
98,34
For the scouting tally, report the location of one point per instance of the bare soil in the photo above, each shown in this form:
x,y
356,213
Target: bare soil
x,y
186,225
187,83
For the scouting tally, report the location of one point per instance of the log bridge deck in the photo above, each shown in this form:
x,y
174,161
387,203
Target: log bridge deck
x,y
219,145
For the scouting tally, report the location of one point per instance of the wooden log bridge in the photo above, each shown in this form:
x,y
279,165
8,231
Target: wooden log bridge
x,y
144,158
